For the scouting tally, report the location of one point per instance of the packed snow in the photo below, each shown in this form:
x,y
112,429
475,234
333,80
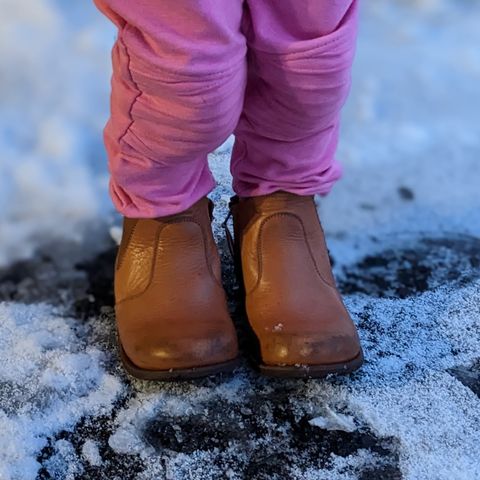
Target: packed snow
x,y
403,229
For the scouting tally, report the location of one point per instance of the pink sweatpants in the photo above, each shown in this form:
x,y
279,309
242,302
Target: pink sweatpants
x,y
188,73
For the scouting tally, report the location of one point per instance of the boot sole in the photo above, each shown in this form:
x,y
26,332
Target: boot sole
x,y
178,373
312,371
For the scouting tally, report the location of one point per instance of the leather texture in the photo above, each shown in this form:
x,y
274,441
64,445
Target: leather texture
x,y
170,307
291,299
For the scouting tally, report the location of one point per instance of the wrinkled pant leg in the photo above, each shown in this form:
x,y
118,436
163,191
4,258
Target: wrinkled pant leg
x,y
300,58
179,73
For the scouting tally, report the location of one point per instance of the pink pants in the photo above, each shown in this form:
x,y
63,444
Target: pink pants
x,y
188,73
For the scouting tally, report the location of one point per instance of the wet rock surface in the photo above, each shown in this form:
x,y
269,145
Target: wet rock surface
x,y
264,437
414,266
468,376
267,432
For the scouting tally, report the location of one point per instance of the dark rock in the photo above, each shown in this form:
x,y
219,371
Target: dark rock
x,y
406,193
414,267
469,376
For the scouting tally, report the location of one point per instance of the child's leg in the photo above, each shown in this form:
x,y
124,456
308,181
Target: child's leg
x,y
179,73
301,53
177,91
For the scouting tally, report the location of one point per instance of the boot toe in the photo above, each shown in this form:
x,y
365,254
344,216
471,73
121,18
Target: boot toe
x,y
294,349
182,353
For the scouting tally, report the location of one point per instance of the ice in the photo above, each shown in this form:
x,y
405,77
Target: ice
x,y
334,421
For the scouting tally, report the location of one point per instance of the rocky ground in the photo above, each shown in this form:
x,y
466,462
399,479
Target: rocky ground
x,y
412,409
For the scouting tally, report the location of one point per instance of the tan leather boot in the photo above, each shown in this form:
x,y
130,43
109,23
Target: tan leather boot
x,y
301,327
171,310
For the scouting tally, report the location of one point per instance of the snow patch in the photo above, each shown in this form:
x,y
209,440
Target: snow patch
x,y
49,380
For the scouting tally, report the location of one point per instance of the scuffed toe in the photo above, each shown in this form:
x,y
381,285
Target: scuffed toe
x,y
285,349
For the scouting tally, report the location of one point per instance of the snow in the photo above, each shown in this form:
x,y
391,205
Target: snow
x,y
50,379
54,97
403,228
91,453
